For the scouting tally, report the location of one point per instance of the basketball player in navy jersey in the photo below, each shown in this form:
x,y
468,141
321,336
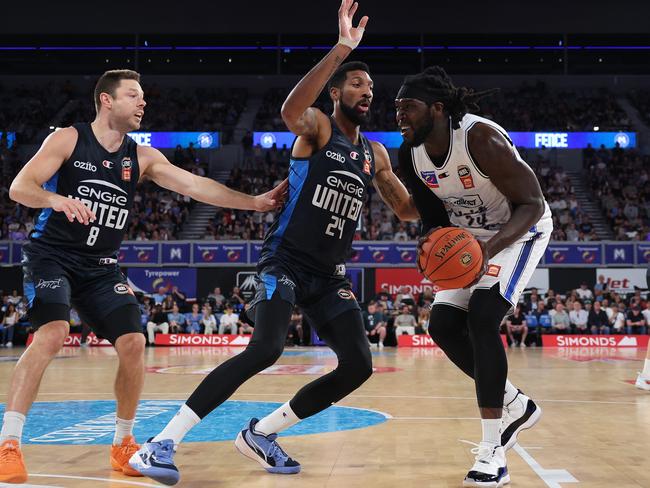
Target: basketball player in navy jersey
x,y
464,170
84,178
302,262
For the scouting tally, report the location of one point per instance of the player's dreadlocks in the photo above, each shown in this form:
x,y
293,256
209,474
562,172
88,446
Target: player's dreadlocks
x,y
434,85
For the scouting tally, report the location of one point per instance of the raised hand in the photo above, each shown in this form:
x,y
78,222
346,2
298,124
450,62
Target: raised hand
x,y
348,35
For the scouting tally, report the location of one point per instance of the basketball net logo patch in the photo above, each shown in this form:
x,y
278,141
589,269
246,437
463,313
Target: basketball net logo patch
x,y
465,176
493,270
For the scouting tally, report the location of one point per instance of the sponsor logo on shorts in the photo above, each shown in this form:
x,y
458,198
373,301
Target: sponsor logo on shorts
x,y
345,294
51,284
85,165
123,289
493,270
286,281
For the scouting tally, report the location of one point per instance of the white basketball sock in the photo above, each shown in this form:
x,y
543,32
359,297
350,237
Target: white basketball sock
x,y
510,393
277,421
646,369
179,426
491,431
122,429
12,426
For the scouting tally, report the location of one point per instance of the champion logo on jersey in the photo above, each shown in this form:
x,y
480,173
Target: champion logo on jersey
x,y
107,164
465,175
443,175
430,179
354,155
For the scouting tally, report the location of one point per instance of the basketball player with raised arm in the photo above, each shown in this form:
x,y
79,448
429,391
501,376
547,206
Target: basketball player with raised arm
x,y
464,170
302,262
84,178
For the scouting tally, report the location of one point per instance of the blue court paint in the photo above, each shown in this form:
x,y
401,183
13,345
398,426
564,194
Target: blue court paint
x,y
93,421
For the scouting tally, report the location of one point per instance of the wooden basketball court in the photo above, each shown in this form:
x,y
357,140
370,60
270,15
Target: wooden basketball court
x,y
595,430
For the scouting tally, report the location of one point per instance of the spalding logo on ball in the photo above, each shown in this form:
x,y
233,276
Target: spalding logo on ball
x,y
451,258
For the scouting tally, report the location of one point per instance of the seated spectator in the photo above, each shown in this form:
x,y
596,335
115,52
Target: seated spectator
x,y
236,300
405,322
178,297
157,323
295,328
229,320
385,297
601,285
247,326
636,324
217,299
584,293
375,324
208,320
193,320
617,321
8,325
159,296
168,304
598,321
423,320
176,320
560,322
404,297
579,318
516,324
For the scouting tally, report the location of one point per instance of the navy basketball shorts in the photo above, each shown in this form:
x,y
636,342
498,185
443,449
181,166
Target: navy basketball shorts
x,y
55,280
321,298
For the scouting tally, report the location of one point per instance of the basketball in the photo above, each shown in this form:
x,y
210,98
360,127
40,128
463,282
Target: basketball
x,y
450,257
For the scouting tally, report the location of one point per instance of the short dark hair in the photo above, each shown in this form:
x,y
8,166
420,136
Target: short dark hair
x,y
341,73
110,80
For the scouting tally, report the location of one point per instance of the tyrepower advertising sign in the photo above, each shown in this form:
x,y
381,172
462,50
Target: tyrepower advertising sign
x,y
595,341
210,340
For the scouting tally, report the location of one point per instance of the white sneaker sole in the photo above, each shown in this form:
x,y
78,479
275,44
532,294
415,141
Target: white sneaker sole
x,y
246,450
504,481
532,420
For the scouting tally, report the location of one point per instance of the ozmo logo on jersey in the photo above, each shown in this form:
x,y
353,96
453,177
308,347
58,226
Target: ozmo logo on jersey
x,y
335,156
84,165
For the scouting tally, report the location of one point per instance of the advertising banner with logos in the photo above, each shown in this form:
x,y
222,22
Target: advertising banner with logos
x,y
424,340
640,341
568,254
5,253
168,140
394,278
149,280
74,340
624,280
198,340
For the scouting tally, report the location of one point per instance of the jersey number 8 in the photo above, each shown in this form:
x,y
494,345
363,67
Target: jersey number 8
x,y
92,236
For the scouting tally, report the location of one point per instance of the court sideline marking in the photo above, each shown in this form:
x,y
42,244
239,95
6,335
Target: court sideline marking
x,y
91,478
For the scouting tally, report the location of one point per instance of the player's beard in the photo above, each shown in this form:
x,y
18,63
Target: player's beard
x,y
420,134
353,116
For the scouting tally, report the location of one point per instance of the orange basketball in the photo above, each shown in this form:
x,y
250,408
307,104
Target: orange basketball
x,y
451,258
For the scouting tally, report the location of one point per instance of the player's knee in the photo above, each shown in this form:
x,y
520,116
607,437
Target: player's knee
x,y
266,354
486,311
130,345
49,339
445,320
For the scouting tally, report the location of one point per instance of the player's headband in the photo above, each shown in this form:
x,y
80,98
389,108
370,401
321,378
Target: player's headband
x,y
416,92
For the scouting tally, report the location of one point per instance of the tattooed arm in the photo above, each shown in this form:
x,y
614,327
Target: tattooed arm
x,y
390,188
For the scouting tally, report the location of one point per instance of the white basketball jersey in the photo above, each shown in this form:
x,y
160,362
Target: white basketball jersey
x,y
471,199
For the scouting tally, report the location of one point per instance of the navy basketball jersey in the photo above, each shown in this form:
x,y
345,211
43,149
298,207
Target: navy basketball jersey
x,y
327,191
105,182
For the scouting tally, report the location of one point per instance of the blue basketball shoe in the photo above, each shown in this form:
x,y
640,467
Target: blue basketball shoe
x,y
265,450
156,460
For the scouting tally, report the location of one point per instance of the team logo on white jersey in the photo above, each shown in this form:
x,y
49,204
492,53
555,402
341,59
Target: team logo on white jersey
x,y
465,175
430,179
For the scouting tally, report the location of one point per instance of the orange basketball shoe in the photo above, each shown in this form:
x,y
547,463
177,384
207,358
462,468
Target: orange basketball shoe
x,y
12,466
120,456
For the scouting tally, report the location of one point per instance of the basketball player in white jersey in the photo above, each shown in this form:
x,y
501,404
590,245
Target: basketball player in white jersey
x,y
463,170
